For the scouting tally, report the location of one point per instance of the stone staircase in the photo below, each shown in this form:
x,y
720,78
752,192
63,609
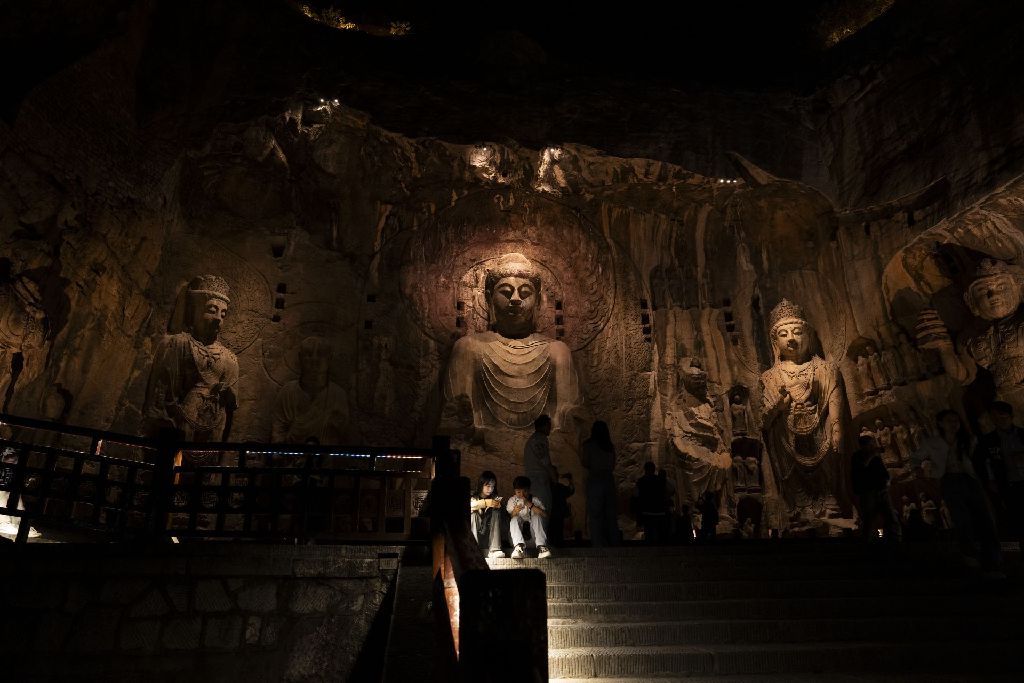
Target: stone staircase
x,y
776,611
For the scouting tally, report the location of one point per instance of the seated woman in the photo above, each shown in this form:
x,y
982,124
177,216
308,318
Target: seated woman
x,y
485,509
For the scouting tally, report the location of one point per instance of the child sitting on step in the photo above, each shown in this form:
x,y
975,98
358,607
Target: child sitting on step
x,y
527,509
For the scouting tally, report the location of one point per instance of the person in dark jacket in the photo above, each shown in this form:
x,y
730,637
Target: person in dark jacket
x,y
598,457
999,464
651,503
871,486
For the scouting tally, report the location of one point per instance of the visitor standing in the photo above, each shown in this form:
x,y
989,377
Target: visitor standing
x,y
650,503
946,457
537,462
598,457
871,486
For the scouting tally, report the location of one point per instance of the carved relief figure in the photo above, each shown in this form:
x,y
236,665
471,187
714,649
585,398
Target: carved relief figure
x,y
191,383
312,406
510,374
878,376
803,406
996,342
739,411
866,379
901,435
22,330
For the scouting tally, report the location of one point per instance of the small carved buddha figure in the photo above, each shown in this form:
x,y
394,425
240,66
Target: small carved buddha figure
x,y
739,411
510,374
995,341
191,383
803,406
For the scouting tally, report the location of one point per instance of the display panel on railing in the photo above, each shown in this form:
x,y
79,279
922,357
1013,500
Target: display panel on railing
x,y
340,495
75,489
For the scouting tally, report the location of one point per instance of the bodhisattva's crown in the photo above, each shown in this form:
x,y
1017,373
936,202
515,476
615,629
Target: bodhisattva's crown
x,y
210,286
783,310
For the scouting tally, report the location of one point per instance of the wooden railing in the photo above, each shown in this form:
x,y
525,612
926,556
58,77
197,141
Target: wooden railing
x,y
93,484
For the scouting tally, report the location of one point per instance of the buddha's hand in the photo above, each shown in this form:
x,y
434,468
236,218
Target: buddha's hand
x,y
782,401
931,332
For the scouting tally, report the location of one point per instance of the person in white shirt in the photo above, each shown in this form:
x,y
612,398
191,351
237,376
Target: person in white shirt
x,y
525,508
947,457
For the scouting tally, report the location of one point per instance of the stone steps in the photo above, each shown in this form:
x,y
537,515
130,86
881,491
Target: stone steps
x,y
575,634
748,588
860,677
577,570
796,608
826,611
783,658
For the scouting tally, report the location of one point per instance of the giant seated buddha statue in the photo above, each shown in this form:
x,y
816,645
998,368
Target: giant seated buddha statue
x,y
509,374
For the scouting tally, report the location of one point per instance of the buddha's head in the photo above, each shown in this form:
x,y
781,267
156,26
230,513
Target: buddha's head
x,y
995,292
790,332
513,295
208,301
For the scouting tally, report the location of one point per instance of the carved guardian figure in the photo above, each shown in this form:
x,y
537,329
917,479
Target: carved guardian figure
x,y
995,341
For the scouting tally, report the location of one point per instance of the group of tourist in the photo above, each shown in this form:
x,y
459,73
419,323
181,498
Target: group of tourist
x,y
980,481
539,500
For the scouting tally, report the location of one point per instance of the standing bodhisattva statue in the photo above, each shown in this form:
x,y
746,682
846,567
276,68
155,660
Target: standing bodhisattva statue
x,y
191,383
510,374
803,405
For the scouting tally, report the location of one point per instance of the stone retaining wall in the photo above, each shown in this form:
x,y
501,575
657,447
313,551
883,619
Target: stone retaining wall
x,y
209,611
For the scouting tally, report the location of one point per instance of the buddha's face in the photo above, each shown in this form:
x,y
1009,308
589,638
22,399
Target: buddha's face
x,y
514,304
793,340
314,366
994,297
207,317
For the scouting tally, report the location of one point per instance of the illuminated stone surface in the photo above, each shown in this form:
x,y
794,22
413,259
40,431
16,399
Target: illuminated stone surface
x,y
868,190
803,404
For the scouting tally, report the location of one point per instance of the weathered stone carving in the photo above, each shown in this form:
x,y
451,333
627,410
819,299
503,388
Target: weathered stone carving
x,y
803,406
556,171
739,410
890,361
911,359
901,435
865,379
878,375
995,342
192,380
22,329
510,374
312,406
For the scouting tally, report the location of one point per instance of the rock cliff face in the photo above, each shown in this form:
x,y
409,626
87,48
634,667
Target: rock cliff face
x,y
143,161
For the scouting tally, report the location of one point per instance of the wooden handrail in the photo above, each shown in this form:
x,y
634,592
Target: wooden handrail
x,y
155,443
